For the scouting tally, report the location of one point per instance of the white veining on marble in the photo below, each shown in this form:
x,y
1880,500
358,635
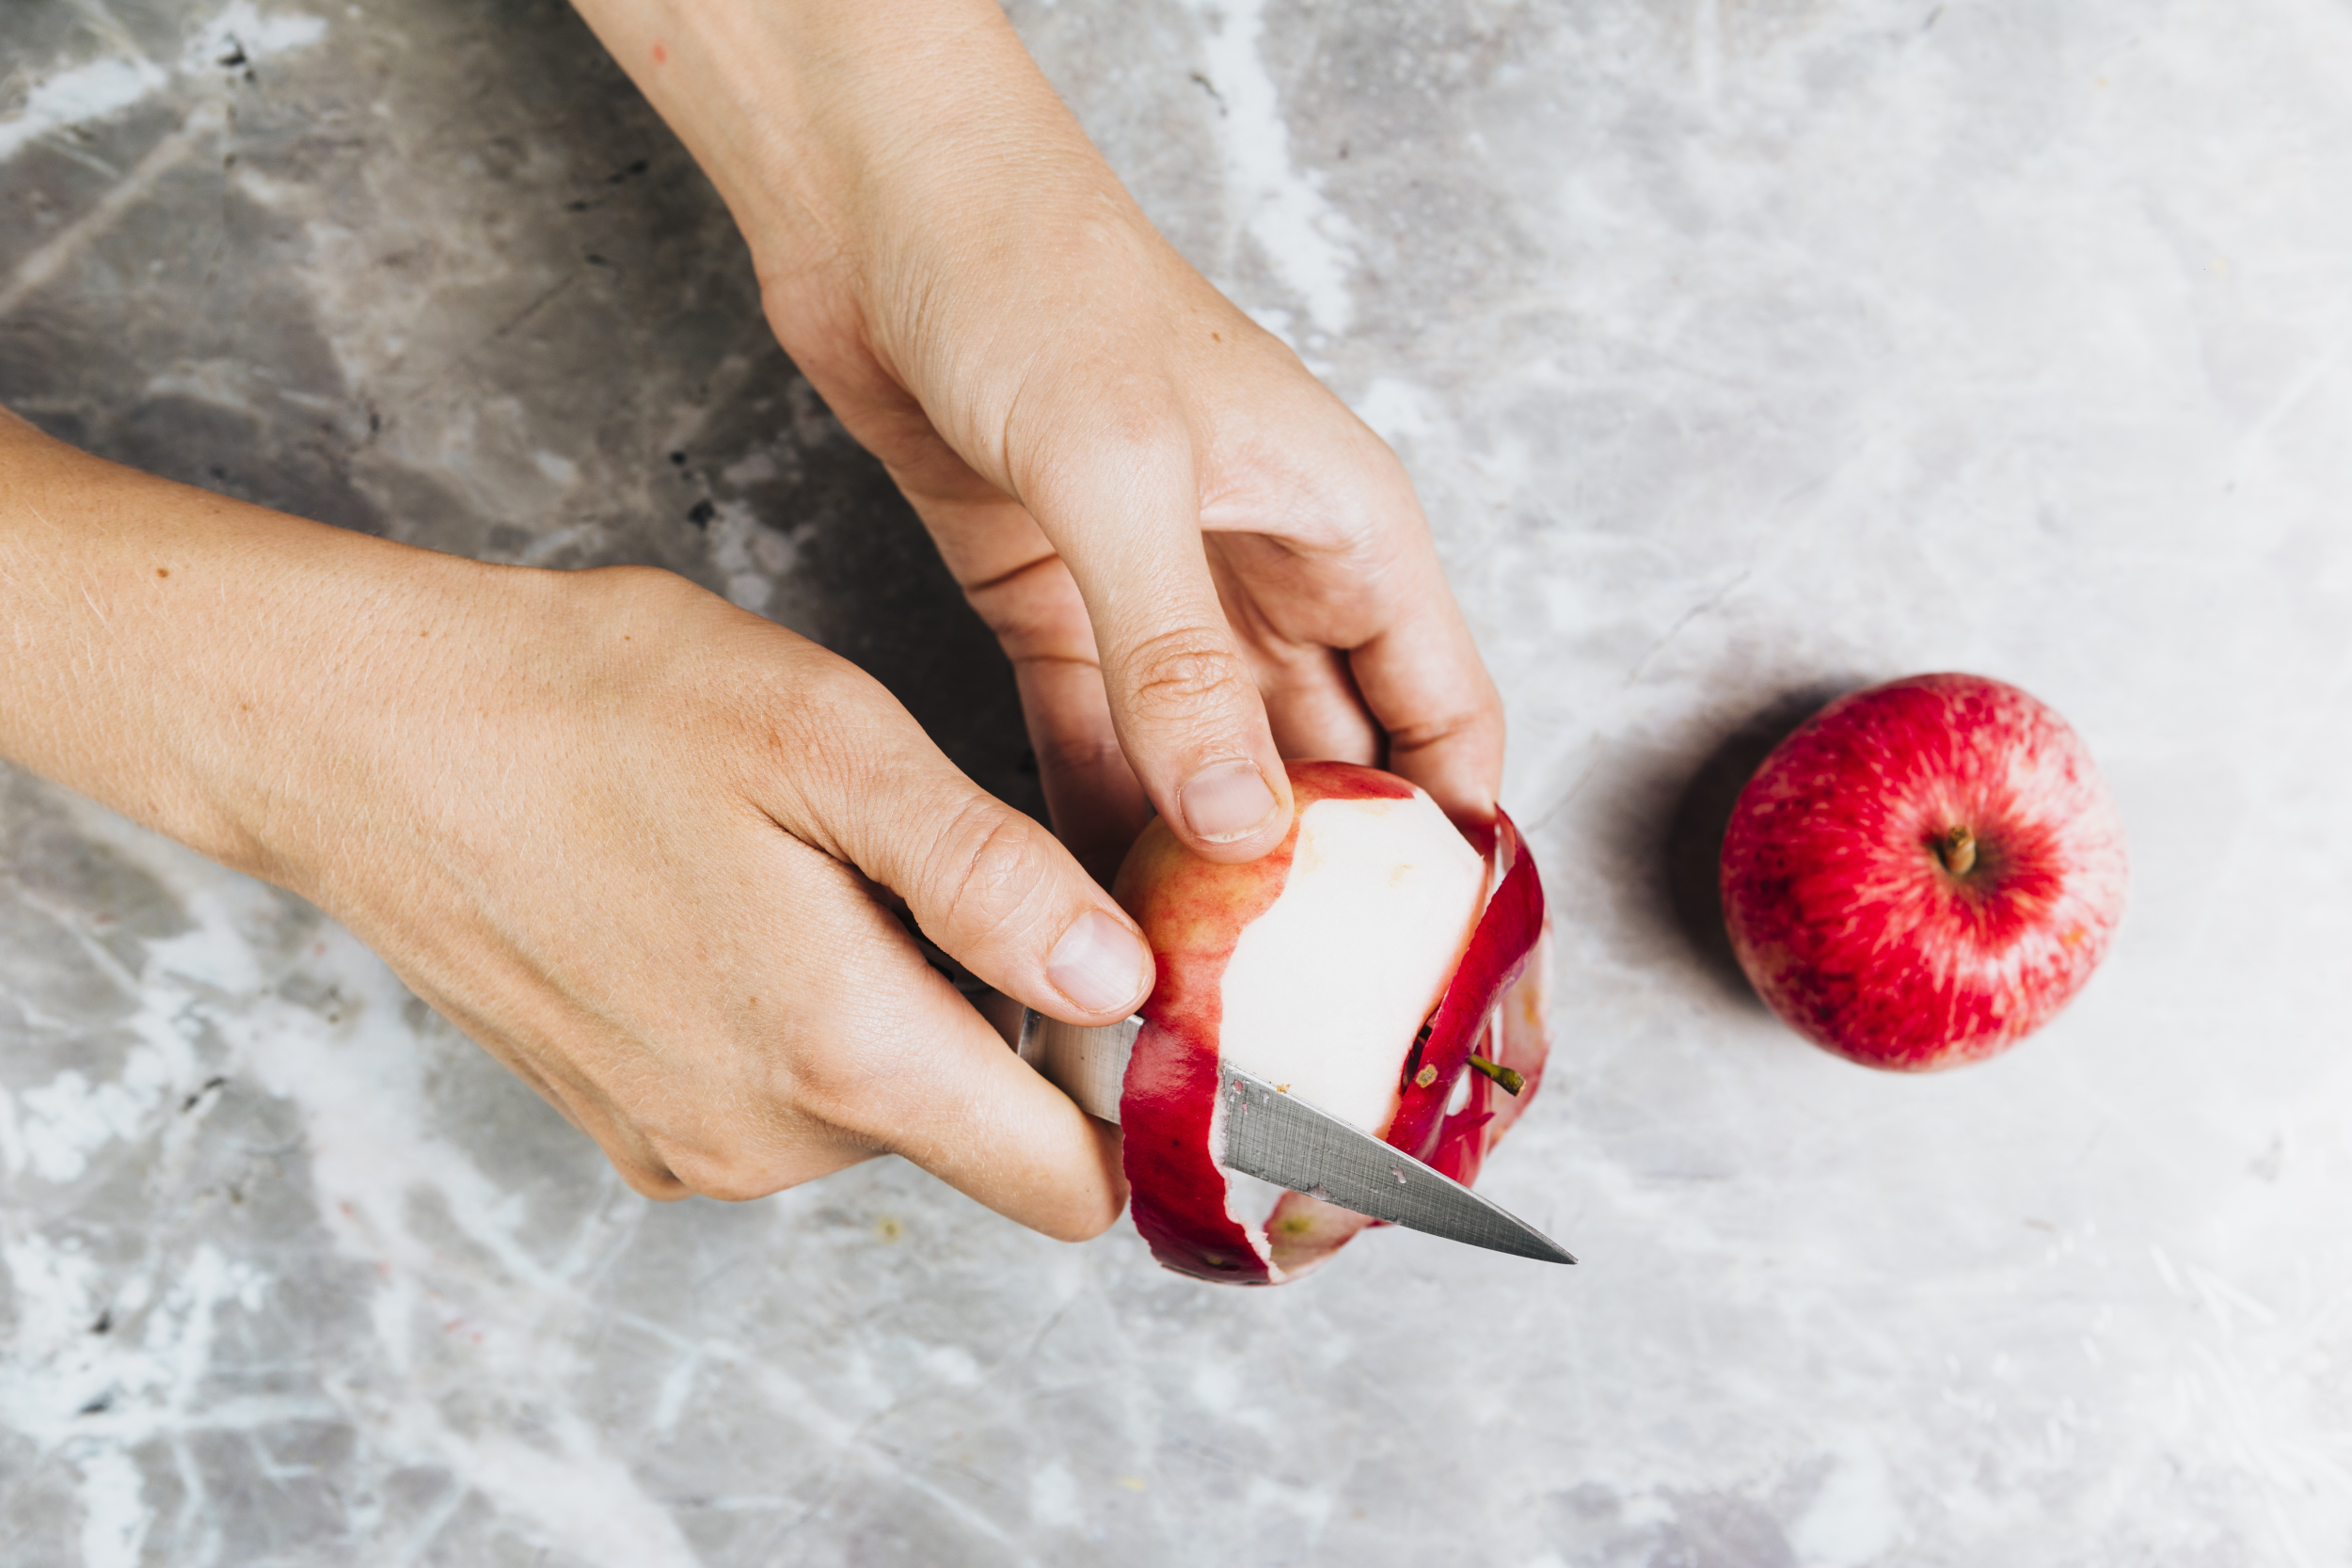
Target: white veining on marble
x,y
1281,207
79,95
72,97
97,90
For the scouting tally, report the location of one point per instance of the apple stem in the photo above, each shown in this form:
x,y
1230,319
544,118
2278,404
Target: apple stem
x,y
1957,849
1509,1082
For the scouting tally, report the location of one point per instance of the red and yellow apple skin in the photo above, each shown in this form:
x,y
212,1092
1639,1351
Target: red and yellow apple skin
x,y
1194,912
1856,919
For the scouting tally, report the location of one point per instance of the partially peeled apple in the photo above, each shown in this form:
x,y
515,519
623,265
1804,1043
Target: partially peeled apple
x,y
1383,964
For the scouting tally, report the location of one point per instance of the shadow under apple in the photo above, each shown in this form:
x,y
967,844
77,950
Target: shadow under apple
x,y
1692,855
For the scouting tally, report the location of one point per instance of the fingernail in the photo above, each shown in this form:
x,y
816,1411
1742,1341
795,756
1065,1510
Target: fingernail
x,y
1226,801
1098,963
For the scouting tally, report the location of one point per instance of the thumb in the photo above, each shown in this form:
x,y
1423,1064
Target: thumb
x,y
986,882
1125,516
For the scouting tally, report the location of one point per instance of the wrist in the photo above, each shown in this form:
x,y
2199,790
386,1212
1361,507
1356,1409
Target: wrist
x,y
864,148
325,728
205,666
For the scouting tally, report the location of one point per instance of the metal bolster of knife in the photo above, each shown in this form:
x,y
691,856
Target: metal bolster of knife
x,y
1087,1064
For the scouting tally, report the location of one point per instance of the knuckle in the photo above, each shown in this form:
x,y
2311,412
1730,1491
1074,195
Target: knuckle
x,y
827,682
985,869
834,1085
1082,442
835,1088
804,701
1183,672
1139,431
824,737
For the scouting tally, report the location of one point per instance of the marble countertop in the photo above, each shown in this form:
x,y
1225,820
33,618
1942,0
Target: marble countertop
x,y
1742,354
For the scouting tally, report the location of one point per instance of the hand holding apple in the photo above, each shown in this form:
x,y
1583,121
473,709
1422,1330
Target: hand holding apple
x,y
1197,559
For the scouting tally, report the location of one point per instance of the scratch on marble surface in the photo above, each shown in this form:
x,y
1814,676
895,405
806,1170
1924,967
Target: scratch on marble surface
x,y
2251,1391
1707,606
2323,362
856,1447
1567,797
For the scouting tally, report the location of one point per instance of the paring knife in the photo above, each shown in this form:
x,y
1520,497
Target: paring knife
x,y
1281,1138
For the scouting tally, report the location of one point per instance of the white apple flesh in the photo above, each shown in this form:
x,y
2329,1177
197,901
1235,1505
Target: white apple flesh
x,y
1326,988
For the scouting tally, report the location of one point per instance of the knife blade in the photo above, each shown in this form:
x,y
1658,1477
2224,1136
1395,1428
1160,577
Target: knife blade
x,y
1281,1138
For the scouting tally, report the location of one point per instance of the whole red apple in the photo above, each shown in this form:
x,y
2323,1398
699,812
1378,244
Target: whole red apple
x,y
1367,964
1924,873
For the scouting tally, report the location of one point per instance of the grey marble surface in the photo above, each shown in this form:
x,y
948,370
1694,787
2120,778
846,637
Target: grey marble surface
x,y
1743,352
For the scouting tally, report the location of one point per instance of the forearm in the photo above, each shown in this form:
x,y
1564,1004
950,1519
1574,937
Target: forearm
x,y
873,147
815,118
179,656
